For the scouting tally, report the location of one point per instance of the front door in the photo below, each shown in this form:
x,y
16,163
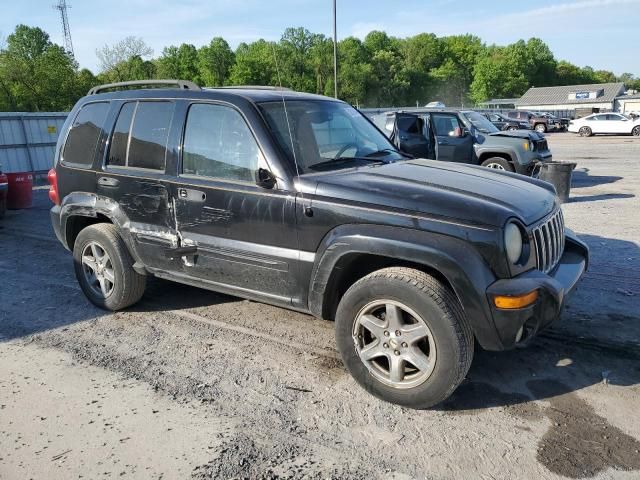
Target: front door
x,y
243,235
454,143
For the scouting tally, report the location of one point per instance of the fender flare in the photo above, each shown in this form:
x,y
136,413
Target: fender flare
x,y
85,204
455,259
512,153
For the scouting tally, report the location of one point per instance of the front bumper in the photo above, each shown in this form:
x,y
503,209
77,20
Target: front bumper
x,y
553,291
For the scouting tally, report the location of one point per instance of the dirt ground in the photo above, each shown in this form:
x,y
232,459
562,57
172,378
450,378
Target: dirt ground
x,y
194,384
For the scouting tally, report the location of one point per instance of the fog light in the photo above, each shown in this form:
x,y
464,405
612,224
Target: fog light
x,y
510,302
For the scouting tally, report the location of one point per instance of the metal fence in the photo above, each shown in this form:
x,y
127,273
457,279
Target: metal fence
x,y
28,140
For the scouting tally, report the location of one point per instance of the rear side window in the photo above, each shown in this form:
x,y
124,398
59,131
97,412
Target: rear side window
x,y
140,135
84,134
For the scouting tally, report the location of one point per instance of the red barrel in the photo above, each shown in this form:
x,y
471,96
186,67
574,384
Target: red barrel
x,y
20,193
4,187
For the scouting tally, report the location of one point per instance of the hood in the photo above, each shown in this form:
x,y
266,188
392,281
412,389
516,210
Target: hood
x,y
530,134
476,195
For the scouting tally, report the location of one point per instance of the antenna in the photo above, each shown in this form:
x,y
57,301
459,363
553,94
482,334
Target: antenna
x,y
62,6
286,115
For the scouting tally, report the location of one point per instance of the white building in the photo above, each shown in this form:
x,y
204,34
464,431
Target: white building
x,y
600,97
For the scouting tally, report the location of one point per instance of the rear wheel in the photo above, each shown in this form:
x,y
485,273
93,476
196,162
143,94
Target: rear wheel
x,y
636,131
585,132
403,337
498,163
541,128
104,268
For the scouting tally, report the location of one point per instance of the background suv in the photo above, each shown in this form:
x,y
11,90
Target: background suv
x,y
463,136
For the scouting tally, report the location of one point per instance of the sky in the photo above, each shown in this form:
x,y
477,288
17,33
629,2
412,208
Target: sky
x,y
603,34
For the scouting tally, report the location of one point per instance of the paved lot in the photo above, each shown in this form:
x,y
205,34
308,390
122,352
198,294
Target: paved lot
x,y
192,384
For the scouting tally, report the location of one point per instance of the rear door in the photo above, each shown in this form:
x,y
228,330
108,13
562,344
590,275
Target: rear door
x,y
454,143
134,176
410,135
243,235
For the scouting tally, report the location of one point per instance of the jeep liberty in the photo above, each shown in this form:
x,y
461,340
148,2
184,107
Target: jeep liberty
x,y
298,200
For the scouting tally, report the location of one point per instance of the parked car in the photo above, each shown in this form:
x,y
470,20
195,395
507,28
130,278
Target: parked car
x,y
559,123
503,122
298,200
539,123
435,105
463,136
609,123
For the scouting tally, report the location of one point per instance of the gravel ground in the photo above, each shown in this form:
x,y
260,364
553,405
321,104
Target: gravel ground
x,y
193,384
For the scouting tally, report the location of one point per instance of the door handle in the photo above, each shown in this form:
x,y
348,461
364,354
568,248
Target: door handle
x,y
108,182
191,195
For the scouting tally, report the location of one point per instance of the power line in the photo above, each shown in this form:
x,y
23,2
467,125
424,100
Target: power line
x,y
62,6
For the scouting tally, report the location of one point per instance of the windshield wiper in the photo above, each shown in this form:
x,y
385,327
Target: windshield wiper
x,y
385,151
343,160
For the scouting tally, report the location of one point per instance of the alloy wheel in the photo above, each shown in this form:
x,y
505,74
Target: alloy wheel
x,y
98,269
394,343
496,166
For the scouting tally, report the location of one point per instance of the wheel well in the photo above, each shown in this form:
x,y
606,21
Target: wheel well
x,y
77,223
487,155
352,267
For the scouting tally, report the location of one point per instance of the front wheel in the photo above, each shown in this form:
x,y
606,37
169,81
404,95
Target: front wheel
x,y
404,337
636,131
541,128
498,163
104,268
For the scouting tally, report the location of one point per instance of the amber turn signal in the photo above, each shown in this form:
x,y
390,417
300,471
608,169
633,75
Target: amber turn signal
x,y
511,302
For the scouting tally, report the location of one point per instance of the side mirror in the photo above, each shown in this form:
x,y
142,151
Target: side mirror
x,y
265,179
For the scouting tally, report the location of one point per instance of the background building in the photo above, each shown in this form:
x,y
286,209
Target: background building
x,y
598,97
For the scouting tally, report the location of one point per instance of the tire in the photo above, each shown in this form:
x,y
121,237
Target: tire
x,y
449,342
512,129
498,163
127,287
540,128
585,132
636,131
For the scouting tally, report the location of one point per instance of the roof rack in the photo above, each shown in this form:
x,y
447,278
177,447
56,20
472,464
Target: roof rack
x,y
251,87
181,84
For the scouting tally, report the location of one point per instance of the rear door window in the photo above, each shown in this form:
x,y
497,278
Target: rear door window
x,y
85,132
140,136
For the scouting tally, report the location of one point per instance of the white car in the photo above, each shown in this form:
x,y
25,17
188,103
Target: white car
x,y
605,123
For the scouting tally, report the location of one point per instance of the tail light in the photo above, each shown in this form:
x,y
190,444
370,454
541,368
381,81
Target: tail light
x,y
52,177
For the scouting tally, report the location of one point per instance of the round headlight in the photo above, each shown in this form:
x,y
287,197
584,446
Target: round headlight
x,y
513,242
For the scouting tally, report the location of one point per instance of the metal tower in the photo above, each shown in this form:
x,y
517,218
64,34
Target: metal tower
x,y
61,6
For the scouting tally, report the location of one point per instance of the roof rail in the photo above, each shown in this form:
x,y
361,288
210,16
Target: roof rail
x,y
181,84
251,87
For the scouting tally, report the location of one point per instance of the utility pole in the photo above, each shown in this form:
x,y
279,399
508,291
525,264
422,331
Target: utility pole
x,y
61,6
335,52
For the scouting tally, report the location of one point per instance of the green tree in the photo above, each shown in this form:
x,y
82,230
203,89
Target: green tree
x,y
255,64
179,63
215,62
455,74
125,60
36,74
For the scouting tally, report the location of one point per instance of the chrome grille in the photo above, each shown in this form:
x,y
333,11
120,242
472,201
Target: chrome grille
x,y
548,239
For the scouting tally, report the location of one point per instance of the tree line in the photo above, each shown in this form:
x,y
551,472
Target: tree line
x,y
381,70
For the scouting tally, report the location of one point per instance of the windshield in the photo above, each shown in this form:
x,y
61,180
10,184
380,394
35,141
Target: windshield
x,y
480,122
326,135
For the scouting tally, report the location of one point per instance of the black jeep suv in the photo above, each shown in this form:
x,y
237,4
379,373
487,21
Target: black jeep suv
x,y
298,200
